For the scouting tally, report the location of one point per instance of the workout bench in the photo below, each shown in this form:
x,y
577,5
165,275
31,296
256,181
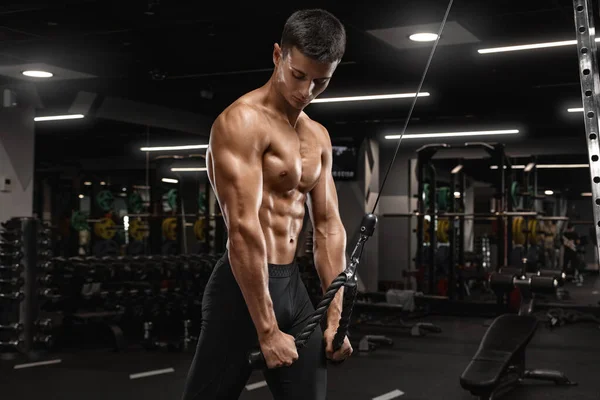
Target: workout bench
x,y
499,364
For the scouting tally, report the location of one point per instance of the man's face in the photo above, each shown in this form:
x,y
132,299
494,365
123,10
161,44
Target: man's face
x,y
301,79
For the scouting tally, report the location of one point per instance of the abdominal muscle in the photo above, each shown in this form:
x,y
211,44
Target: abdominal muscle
x,y
281,217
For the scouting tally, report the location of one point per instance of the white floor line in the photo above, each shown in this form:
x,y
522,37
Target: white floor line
x,y
37,364
390,395
151,373
256,385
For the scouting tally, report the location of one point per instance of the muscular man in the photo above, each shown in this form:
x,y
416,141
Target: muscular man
x,y
266,159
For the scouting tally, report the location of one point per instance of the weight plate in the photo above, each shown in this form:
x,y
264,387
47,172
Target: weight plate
x,y
138,230
199,230
172,198
135,204
105,228
79,221
169,228
105,200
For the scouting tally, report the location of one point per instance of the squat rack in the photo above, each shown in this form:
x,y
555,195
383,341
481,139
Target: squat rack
x,y
590,90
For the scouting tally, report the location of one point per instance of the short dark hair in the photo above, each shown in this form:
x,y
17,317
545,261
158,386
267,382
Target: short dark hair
x,y
316,33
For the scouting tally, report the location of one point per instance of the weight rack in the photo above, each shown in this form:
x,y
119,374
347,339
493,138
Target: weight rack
x,y
590,90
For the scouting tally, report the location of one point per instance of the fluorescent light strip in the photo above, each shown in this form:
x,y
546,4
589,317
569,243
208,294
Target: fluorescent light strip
x,y
373,97
454,134
573,110
188,169
548,166
169,148
586,194
58,117
529,46
169,180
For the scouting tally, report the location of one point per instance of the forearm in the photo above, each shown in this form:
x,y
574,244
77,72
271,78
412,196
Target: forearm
x,y
330,260
248,258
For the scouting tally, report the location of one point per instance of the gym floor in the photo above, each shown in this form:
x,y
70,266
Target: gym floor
x,y
426,368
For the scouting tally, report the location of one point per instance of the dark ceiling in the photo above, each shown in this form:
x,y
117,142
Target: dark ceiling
x,y
198,57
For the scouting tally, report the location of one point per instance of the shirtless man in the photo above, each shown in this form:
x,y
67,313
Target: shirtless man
x,y
266,159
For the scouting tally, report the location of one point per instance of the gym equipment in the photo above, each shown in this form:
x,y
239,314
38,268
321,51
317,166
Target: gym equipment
x,y
498,366
442,232
202,202
135,203
199,227
169,228
172,198
105,228
25,250
444,196
79,221
105,200
589,76
517,230
138,230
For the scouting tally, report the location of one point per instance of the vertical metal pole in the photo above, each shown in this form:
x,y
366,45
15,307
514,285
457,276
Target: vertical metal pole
x,y
590,92
453,240
432,226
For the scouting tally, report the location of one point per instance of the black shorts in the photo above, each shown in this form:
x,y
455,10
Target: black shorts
x,y
220,368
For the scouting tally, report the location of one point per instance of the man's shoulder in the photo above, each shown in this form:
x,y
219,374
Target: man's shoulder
x,y
317,129
240,114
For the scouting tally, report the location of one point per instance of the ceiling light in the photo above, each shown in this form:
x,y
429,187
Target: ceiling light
x,y
529,167
170,148
530,46
457,195
38,74
423,37
548,192
81,196
58,117
457,169
169,180
454,134
87,183
586,194
187,169
372,97
547,166
572,110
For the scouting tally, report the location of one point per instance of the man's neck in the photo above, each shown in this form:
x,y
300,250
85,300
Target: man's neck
x,y
280,105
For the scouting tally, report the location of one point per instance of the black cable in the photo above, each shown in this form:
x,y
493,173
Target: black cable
x,y
412,107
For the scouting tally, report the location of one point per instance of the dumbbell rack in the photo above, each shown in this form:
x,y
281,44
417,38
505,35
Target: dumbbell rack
x,y
23,248
590,92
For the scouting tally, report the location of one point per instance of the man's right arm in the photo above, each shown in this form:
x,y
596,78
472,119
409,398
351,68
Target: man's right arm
x,y
237,146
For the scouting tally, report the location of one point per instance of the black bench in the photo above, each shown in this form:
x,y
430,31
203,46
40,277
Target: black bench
x,y
498,366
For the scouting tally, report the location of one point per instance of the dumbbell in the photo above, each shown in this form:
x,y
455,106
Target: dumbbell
x,y
44,325
45,280
10,268
12,343
17,327
11,245
19,296
12,281
45,340
14,254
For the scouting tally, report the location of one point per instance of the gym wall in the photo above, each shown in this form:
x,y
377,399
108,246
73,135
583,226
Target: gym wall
x,y
16,161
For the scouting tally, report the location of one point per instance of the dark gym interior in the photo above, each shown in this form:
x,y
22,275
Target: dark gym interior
x,y
480,279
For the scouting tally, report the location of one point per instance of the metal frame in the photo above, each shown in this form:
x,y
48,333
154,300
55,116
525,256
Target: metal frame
x,y
590,92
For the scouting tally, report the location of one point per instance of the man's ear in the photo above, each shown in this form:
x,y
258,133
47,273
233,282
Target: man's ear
x,y
277,54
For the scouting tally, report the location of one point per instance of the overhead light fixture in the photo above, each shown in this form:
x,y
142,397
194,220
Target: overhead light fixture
x,y
574,110
58,117
371,97
547,166
423,37
453,134
457,195
529,167
38,74
457,169
586,194
87,183
102,183
530,46
175,148
188,169
548,192
169,180
81,196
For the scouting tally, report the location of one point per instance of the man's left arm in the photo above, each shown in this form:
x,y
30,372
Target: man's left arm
x,y
329,234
